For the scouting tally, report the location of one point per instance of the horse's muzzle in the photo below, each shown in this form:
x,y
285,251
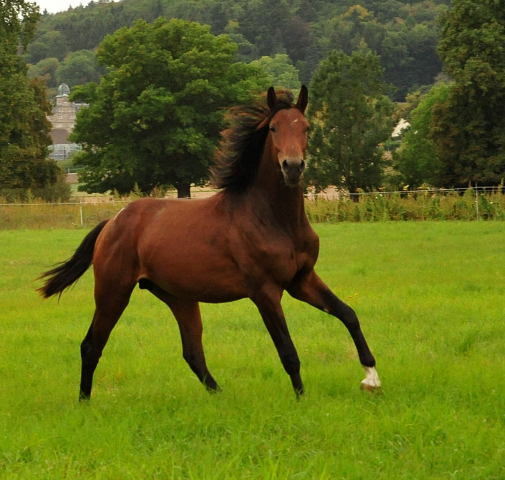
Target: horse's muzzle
x,y
292,171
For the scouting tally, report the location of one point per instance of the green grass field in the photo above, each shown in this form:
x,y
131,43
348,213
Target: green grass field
x,y
431,299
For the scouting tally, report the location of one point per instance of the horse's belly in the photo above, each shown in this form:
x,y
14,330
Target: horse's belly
x,y
197,277
202,290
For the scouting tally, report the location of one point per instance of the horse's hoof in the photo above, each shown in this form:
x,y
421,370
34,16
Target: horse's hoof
x,y
370,388
371,383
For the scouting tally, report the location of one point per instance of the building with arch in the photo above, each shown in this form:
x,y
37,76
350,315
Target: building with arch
x,y
62,119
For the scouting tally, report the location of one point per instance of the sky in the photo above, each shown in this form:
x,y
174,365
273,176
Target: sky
x,y
55,6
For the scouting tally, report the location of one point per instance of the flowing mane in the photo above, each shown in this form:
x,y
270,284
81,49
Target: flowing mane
x,y
238,157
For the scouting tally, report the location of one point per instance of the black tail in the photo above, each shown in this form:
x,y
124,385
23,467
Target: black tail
x,y
69,271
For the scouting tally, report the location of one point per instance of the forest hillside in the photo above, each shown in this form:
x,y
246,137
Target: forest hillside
x,y
405,35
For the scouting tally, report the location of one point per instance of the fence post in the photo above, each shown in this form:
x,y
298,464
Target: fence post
x,y
477,201
80,208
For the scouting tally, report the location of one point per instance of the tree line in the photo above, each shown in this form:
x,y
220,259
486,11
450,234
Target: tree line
x,y
24,128
457,134
156,112
404,35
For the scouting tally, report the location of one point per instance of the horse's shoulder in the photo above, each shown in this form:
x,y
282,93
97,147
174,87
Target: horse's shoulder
x,y
308,235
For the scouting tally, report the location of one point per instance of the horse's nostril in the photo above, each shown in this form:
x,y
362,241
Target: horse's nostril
x,y
286,166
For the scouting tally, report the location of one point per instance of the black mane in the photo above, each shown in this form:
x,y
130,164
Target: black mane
x,y
239,155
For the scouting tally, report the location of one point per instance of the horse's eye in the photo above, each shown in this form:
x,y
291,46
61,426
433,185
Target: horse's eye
x,y
272,128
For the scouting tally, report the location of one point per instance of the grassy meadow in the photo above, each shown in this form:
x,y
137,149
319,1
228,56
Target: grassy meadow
x,y
431,299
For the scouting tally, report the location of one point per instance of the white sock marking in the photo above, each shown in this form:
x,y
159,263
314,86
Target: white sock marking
x,y
371,381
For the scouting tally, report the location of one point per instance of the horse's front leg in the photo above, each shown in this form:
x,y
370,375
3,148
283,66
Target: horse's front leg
x,y
268,301
311,289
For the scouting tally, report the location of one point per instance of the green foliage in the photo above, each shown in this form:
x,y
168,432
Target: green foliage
x,y
468,128
403,35
52,44
59,191
79,68
17,25
263,22
45,70
280,70
350,117
24,134
436,328
24,129
246,51
155,118
417,158
409,206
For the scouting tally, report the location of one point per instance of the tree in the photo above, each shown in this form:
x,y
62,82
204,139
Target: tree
x,y
79,68
51,44
25,139
468,128
246,51
297,38
24,129
417,158
403,34
350,116
263,22
46,70
155,118
280,70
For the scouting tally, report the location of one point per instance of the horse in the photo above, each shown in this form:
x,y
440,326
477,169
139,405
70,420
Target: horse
x,y
250,239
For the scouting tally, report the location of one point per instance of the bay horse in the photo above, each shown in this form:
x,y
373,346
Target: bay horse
x,y
251,239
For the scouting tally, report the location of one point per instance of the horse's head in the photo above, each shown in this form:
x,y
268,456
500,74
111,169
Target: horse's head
x,y
288,132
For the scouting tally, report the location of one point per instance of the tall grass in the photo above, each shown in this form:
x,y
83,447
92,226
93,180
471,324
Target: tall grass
x,y
376,207
430,296
410,206
40,215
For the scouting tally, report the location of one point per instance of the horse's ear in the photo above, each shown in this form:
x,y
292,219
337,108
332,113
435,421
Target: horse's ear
x,y
272,98
303,99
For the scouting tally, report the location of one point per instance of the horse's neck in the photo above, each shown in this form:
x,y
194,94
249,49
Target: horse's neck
x,y
289,207
285,203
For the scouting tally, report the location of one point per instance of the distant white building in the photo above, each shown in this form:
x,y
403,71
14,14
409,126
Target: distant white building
x,y
402,125
63,122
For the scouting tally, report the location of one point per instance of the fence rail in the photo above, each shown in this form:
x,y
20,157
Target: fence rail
x,y
481,203
81,205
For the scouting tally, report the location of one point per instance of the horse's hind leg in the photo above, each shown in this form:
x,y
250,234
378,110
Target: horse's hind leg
x,y
311,289
187,314
109,306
